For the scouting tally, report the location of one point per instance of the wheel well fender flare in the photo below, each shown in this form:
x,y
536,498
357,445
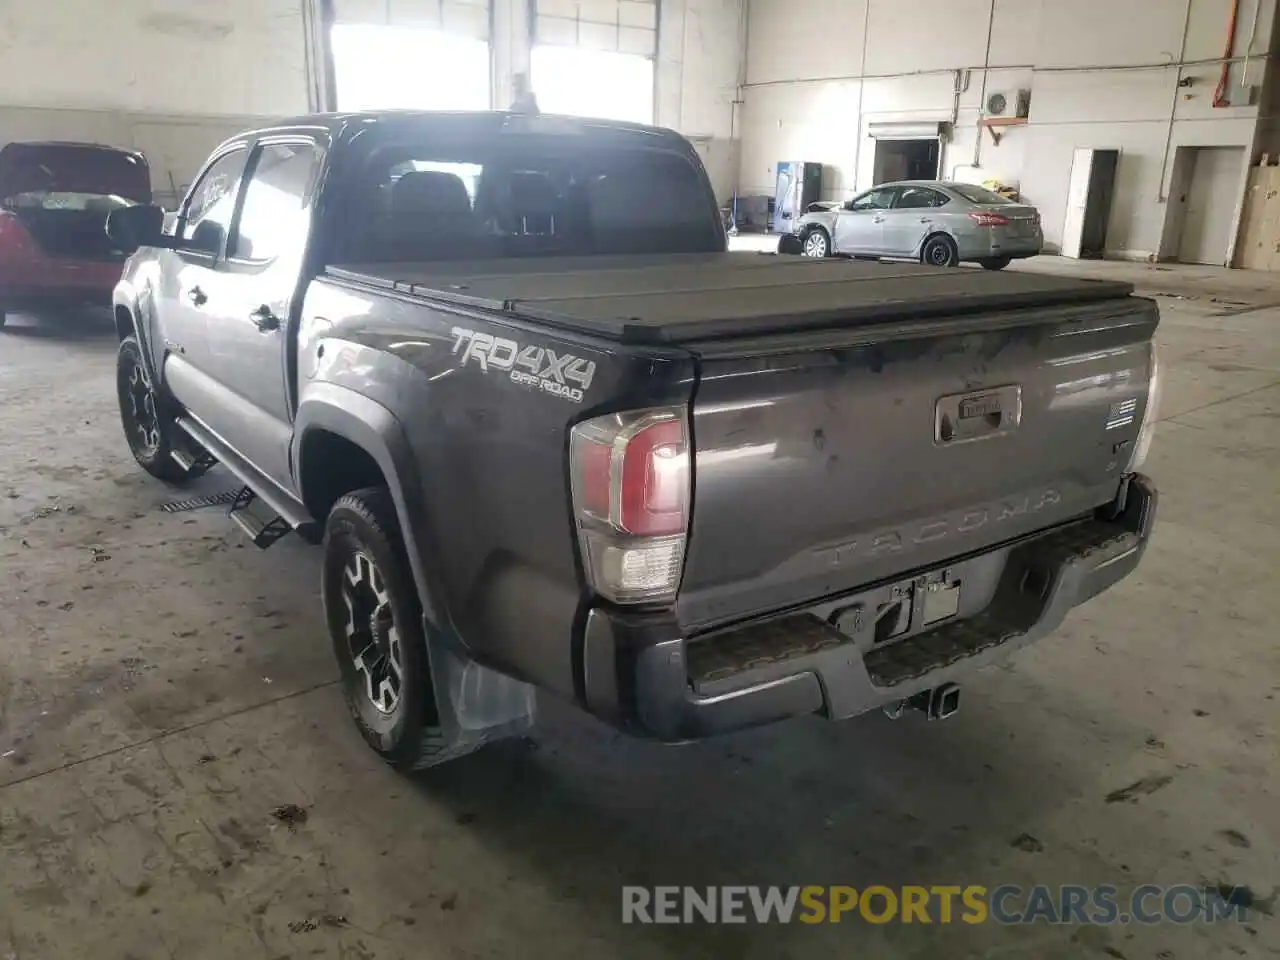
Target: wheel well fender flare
x,y
373,428
129,313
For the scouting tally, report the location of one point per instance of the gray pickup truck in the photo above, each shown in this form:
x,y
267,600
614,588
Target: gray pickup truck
x,y
551,435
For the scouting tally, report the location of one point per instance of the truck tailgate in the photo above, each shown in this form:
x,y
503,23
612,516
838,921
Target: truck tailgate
x,y
828,460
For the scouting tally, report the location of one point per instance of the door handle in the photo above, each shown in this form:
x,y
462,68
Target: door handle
x,y
926,220
877,219
197,296
264,319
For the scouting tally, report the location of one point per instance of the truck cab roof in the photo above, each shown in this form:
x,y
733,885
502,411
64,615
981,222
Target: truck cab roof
x,y
344,126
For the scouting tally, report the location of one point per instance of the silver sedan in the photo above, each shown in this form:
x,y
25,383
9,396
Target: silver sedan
x,y
937,222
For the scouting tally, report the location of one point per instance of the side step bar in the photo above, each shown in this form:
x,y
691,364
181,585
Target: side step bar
x,y
196,463
262,527
262,509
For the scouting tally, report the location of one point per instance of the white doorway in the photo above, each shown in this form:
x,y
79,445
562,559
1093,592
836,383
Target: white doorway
x,y
917,158
602,84
1210,178
378,67
1089,195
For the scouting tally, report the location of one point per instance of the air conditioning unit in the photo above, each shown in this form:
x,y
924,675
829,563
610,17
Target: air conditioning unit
x,y
1009,103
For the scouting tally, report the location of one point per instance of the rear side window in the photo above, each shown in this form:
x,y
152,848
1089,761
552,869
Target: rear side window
x,y
273,218
916,198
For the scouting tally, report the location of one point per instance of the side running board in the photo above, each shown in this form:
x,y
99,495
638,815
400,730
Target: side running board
x,y
196,462
263,526
262,509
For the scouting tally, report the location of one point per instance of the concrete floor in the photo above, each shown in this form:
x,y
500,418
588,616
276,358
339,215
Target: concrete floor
x,y
165,687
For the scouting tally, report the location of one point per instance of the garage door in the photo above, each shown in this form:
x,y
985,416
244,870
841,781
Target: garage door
x,y
616,26
464,18
595,58
412,54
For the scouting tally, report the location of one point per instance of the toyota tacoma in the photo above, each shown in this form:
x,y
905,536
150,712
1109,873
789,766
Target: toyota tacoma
x,y
551,435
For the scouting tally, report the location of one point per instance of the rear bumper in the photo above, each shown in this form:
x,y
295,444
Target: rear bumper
x,y
994,243
1021,253
643,676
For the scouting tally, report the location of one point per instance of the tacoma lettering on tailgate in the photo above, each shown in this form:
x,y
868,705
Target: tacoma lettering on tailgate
x,y
559,374
895,541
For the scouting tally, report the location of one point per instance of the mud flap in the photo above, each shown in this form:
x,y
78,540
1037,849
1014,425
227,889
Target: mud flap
x,y
475,705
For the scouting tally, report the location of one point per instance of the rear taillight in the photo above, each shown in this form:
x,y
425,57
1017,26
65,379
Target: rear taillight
x,y
988,219
630,477
1143,445
14,239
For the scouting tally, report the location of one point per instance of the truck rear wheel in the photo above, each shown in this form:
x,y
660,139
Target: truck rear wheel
x,y
146,416
375,622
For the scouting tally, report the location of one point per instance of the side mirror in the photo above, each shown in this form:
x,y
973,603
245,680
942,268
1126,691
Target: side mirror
x,y
207,238
132,227
848,204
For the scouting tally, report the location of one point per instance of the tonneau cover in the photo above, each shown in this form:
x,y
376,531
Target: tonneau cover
x,y
691,297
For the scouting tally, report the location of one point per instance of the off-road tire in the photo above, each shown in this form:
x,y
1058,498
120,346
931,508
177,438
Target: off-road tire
x,y
364,523
147,416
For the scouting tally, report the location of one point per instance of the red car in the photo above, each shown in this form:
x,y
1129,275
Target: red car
x,y
54,202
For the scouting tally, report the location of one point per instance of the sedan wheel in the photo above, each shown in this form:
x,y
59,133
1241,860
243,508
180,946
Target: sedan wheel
x,y
816,244
940,251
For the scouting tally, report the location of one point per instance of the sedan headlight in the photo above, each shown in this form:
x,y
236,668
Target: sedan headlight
x,y
1148,429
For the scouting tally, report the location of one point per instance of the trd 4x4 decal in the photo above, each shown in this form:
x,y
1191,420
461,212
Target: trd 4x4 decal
x,y
559,374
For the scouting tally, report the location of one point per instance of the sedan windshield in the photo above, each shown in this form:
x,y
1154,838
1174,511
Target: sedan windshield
x,y
975,194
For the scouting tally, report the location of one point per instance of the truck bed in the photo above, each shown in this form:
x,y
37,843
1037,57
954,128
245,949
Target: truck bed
x,y
663,300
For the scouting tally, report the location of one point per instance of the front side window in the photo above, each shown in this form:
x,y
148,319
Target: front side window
x,y
212,203
873,200
273,217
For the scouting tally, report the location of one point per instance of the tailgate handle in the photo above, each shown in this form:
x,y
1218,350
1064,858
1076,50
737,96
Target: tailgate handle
x,y
977,415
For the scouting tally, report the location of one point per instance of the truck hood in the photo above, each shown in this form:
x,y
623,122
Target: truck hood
x,y
73,168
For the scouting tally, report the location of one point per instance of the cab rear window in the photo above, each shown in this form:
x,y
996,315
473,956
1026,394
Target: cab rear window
x,y
524,196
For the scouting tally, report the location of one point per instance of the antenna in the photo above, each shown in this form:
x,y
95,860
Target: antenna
x,y
525,100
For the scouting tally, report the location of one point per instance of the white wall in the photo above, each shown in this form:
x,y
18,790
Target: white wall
x,y
169,77
173,78
819,71
700,64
